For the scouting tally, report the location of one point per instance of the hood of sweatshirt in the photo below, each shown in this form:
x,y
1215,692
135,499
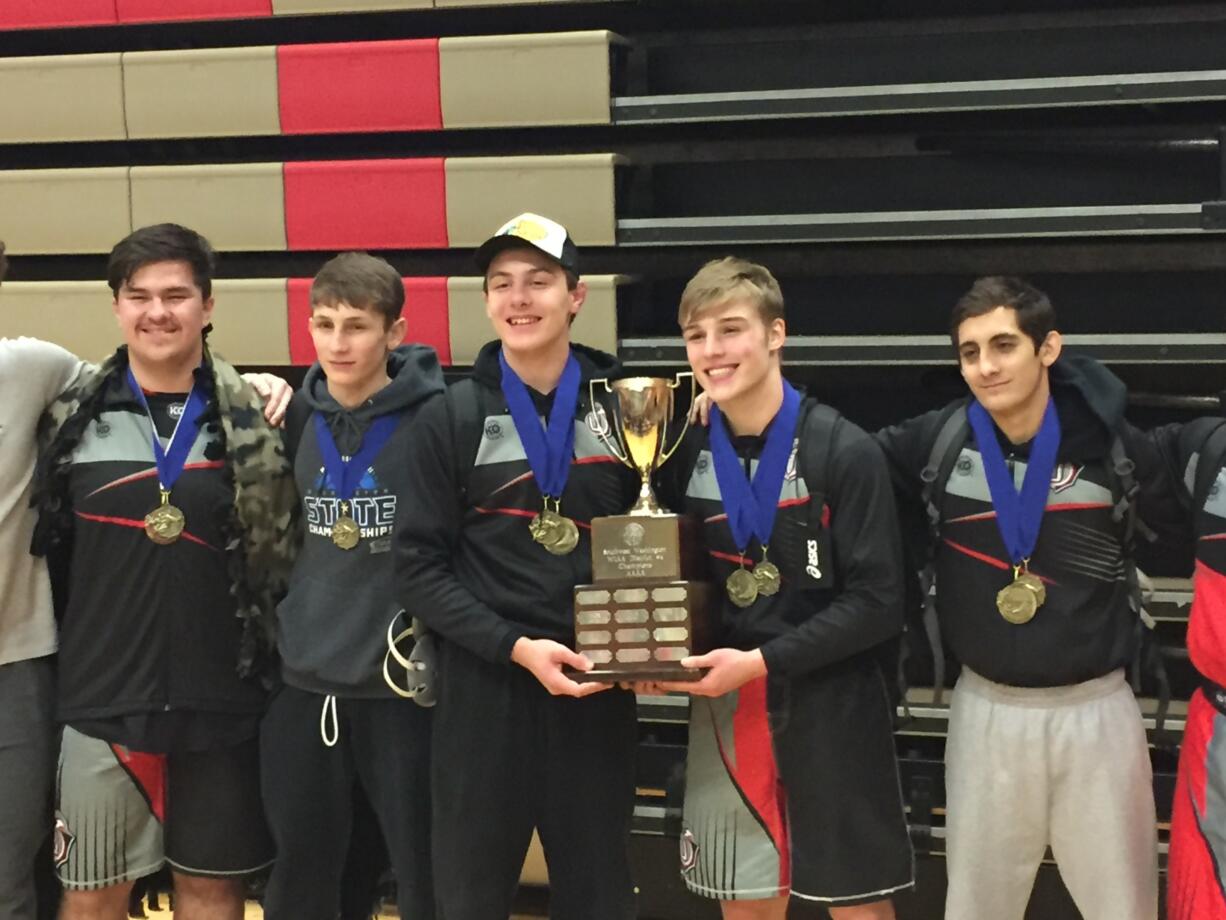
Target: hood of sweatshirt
x,y
415,376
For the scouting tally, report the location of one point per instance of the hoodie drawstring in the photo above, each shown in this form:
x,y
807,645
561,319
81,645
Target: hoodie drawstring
x,y
329,713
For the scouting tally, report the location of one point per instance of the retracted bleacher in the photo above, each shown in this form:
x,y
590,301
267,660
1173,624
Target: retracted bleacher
x,y
876,157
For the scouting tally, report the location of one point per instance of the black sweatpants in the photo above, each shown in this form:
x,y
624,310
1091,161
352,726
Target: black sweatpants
x,y
509,757
309,798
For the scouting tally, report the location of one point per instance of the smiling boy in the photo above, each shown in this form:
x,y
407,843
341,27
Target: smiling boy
x,y
172,497
335,722
490,546
792,789
1034,597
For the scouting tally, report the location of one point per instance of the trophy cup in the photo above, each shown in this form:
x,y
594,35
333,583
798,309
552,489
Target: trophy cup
x,y
649,605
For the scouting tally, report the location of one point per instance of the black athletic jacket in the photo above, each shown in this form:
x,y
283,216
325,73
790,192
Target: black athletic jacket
x,y
842,588
465,562
1087,627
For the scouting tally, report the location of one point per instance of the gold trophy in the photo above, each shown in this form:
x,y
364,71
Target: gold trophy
x,y
649,605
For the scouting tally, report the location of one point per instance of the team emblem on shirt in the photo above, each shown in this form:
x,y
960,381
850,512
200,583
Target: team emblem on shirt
x,y
597,421
1064,476
63,839
689,852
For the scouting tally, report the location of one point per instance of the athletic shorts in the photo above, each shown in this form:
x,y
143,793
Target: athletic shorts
x,y
123,814
1198,818
792,788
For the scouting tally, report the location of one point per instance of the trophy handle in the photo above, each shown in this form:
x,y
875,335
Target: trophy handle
x,y
614,445
676,385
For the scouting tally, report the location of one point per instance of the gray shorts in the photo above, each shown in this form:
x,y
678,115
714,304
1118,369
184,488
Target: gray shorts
x,y
123,814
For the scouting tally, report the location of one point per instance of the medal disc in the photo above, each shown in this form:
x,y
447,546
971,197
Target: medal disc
x,y
766,574
1035,584
742,588
345,532
164,524
546,527
567,537
1017,603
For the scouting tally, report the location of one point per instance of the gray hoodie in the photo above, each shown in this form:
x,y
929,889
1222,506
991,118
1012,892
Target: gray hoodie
x,y
333,622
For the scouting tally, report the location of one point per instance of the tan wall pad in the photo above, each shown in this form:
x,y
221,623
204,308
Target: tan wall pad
x,y
293,7
74,314
596,324
559,78
64,210
73,97
577,191
238,207
251,320
216,92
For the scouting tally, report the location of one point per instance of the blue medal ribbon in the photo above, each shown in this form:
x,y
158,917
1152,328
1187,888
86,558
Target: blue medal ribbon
x,y
1018,515
751,506
548,450
170,462
346,475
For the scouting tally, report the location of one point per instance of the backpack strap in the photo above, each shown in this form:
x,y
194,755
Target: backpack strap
x,y
1209,461
948,444
466,410
296,418
820,422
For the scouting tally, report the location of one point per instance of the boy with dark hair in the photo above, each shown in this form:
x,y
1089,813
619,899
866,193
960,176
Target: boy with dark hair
x,y
173,500
792,787
1031,486
336,723
509,472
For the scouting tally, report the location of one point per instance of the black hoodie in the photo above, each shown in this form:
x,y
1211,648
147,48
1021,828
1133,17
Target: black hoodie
x,y
465,562
1086,627
332,624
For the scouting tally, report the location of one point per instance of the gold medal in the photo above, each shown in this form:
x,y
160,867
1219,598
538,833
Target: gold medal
x,y
557,533
345,532
1035,584
1019,600
165,523
742,587
766,574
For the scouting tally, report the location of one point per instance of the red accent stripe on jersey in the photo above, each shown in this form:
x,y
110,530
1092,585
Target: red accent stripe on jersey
x,y
139,525
520,512
1066,506
597,458
1214,536
786,503
756,774
993,561
152,473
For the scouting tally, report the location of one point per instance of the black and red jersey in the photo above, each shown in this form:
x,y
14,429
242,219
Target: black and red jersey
x,y
148,629
466,563
842,579
1087,626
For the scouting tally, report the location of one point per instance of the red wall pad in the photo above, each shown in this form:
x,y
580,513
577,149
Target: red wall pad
x,y
43,14
366,204
359,86
166,10
425,309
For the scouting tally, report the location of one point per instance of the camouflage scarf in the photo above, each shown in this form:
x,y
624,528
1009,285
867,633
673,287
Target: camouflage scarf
x,y
261,528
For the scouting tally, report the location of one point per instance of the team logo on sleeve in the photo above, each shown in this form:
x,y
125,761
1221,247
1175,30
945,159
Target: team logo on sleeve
x,y
62,840
1064,476
689,852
